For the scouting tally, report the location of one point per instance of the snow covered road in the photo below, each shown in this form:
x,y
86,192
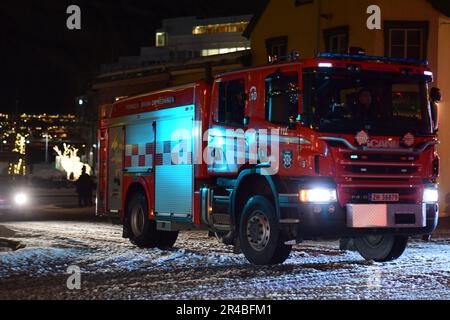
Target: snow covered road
x,y
201,268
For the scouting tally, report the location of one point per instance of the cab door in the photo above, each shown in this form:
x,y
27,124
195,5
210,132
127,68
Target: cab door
x,y
226,137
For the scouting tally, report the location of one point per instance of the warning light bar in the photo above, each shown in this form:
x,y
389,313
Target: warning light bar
x,y
325,65
329,55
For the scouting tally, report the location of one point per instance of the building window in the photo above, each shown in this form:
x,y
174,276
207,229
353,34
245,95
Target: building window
x,y
300,2
213,52
336,39
161,39
232,102
221,28
277,46
406,39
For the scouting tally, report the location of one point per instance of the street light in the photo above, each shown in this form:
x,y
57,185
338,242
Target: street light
x,y
46,136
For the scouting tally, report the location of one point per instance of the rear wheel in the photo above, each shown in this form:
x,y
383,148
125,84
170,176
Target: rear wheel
x,y
260,235
381,248
143,231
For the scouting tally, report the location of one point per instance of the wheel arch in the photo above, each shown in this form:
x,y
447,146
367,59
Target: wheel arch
x,y
131,190
251,182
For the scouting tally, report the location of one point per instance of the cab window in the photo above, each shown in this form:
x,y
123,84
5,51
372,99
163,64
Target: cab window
x,y
232,99
282,97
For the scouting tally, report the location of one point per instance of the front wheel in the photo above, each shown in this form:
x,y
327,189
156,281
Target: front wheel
x,y
260,235
381,248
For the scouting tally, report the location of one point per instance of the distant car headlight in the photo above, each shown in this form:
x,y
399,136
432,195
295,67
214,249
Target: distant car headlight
x,y
318,195
21,199
430,196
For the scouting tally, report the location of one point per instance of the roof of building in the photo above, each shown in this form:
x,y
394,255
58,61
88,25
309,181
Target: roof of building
x,y
441,5
254,21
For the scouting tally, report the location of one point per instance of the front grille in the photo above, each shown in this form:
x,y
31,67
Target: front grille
x,y
363,179
361,169
377,165
380,157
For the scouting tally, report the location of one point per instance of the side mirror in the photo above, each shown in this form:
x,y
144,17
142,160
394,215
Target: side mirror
x,y
293,123
435,95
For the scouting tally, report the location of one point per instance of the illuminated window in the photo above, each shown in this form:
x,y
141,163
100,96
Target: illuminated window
x,y
213,52
161,39
220,28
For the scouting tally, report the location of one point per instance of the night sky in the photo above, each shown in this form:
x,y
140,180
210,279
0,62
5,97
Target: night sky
x,y
45,67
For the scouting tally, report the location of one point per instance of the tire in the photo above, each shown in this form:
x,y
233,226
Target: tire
x,y
167,239
260,235
143,231
383,248
227,238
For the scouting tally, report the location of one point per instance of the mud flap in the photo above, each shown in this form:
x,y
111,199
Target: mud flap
x,y
237,246
126,230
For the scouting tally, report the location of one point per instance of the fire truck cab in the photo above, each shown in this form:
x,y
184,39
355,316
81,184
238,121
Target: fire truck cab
x,y
332,147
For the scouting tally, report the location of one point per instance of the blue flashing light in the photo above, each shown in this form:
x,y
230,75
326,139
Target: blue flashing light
x,y
329,55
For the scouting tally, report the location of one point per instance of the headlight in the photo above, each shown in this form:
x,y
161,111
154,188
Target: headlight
x,y
430,196
318,195
21,199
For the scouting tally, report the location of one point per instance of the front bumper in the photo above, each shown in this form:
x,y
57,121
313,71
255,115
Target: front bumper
x,y
363,216
334,221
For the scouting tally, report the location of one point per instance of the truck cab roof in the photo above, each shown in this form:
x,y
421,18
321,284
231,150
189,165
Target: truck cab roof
x,y
333,60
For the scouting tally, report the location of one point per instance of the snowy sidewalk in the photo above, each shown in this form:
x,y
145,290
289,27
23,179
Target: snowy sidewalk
x,y
199,267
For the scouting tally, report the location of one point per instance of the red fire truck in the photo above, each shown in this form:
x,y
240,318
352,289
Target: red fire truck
x,y
339,146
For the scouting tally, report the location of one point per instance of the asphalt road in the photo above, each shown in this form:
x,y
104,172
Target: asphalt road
x,y
57,237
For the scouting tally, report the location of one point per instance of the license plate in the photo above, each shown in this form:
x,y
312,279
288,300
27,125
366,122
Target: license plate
x,y
384,197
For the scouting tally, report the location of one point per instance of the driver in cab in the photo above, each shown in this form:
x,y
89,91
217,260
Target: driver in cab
x,y
365,108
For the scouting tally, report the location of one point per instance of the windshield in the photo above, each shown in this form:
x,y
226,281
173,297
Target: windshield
x,y
383,103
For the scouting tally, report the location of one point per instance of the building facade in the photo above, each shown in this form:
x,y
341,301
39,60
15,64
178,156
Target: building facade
x,y
418,29
185,38
109,87
186,49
